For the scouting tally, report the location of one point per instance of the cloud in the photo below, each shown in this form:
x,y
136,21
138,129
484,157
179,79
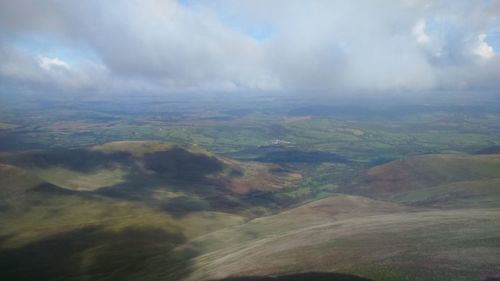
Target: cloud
x,y
50,63
313,46
419,32
20,71
482,48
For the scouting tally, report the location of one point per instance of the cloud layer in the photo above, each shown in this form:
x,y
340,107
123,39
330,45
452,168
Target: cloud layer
x,y
249,45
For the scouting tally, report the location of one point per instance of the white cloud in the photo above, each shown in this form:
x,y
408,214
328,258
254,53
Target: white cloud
x,y
482,48
50,63
20,69
419,32
316,45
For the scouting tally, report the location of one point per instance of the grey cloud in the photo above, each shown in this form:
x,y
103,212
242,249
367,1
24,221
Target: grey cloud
x,y
314,45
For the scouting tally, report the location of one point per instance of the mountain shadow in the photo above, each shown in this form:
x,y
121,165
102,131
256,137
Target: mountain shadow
x,y
180,164
82,160
92,253
307,276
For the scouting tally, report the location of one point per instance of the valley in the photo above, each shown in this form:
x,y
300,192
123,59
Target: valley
x,y
250,140
339,197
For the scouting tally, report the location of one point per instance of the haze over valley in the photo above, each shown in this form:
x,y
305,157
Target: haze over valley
x,y
250,140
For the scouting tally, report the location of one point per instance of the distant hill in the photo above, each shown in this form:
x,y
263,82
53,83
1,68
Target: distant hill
x,y
117,165
495,149
446,180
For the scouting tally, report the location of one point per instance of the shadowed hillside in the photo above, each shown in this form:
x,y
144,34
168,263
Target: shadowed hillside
x,y
310,276
156,211
123,213
161,174
180,164
91,253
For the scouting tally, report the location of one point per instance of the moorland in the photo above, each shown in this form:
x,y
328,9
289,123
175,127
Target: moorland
x,y
261,187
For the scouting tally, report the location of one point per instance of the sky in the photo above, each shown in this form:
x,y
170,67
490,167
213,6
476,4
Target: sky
x,y
176,46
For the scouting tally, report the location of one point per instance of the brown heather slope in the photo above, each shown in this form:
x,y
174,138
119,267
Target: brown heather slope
x,y
356,235
443,180
429,170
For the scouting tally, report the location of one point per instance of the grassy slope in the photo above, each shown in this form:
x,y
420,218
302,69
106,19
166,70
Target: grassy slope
x,y
118,163
462,194
356,235
48,237
70,211
33,215
15,181
377,239
81,181
251,176
351,234
436,180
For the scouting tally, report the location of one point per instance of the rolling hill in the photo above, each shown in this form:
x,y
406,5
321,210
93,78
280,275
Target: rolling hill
x,y
431,217
441,180
83,213
350,234
154,172
147,210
